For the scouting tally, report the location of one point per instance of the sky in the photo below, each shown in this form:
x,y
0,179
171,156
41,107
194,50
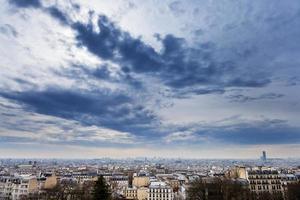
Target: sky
x,y
131,78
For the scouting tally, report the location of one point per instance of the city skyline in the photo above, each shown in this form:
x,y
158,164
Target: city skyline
x,y
125,78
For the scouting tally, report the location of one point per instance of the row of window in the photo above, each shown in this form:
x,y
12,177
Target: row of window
x,y
160,190
131,191
159,195
264,182
266,187
264,177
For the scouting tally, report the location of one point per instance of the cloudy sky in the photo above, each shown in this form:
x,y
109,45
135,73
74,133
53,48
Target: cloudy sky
x,y
123,78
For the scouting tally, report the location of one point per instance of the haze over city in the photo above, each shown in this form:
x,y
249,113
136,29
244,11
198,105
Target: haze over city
x,y
128,78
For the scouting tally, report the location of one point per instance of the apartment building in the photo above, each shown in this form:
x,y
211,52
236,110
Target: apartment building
x,y
136,193
15,187
131,193
264,180
160,191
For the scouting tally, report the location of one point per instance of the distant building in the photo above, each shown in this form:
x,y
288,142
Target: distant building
x,y
264,156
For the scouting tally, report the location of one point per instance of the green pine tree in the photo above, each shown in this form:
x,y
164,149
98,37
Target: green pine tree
x,y
101,190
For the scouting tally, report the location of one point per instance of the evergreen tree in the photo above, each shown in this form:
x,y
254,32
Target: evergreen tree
x,y
101,190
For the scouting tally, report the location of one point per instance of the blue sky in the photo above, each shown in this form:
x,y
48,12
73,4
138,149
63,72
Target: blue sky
x,y
191,79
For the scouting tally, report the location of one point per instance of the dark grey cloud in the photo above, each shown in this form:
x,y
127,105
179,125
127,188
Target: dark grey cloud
x,y
21,122
113,44
243,98
26,3
100,72
103,72
104,108
188,93
177,65
58,14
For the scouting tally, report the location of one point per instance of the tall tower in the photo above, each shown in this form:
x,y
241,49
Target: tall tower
x,y
264,156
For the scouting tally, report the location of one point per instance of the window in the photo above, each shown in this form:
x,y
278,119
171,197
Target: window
x,y
278,186
259,187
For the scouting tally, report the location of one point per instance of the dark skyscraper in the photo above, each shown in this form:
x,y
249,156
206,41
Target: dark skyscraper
x,y
264,156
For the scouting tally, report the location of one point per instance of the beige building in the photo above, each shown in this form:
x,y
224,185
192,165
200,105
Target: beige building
x,y
142,193
141,181
50,182
136,193
238,172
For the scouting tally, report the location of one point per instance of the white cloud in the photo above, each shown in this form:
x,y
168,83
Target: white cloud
x,y
181,136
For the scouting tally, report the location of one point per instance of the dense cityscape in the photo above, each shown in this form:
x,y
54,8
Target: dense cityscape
x,y
149,100
147,178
